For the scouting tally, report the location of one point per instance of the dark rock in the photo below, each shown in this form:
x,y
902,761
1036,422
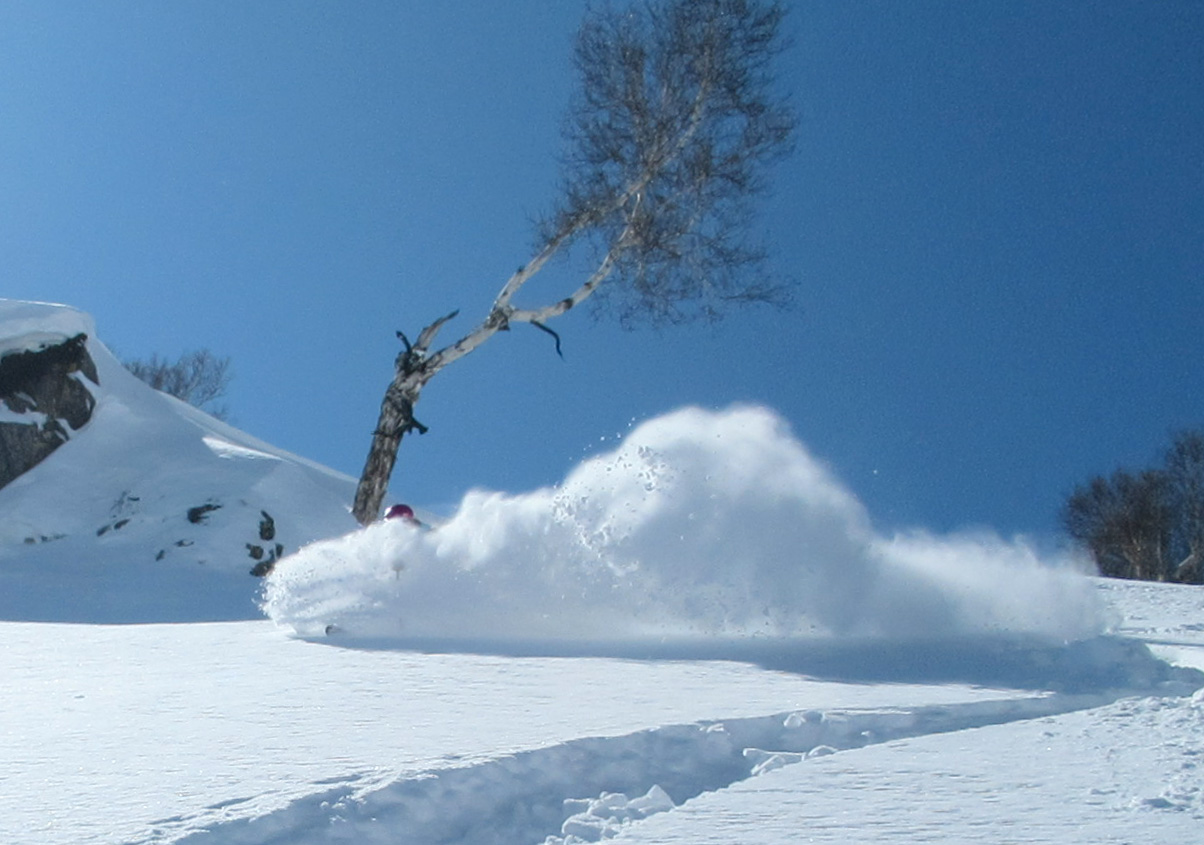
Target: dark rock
x,y
43,381
257,552
267,527
263,568
200,513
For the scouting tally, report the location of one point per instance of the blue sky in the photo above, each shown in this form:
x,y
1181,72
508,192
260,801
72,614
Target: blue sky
x,y
994,212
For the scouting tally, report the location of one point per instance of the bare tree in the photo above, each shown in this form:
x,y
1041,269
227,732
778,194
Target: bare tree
x,y
1124,522
199,378
1149,524
667,140
1184,462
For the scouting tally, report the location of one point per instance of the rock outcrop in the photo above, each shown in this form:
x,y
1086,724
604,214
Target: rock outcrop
x,y
45,396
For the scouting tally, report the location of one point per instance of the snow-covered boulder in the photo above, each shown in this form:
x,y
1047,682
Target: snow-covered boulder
x,y
137,485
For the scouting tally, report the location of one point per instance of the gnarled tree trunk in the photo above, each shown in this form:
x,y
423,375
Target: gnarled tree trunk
x,y
396,418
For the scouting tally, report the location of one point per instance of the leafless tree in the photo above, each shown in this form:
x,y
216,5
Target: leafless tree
x,y
1149,524
1184,471
199,378
1124,522
667,142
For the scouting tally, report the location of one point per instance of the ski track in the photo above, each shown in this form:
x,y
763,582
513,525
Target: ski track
x,y
591,789
997,784
231,733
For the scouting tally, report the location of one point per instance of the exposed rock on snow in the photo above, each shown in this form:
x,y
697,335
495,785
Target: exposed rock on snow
x,y
44,400
110,482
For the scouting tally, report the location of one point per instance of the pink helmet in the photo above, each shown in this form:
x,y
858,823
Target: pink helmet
x,y
395,511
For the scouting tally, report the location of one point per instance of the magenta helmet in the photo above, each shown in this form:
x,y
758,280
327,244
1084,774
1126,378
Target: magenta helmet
x,y
396,511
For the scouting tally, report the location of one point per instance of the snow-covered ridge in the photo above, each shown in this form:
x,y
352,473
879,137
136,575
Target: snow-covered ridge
x,y
33,325
150,491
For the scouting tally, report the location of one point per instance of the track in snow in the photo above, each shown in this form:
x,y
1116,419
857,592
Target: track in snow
x,y
588,789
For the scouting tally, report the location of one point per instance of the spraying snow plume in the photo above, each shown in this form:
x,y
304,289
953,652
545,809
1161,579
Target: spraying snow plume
x,y
700,524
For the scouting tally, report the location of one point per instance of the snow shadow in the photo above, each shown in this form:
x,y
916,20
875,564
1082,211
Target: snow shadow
x,y
1101,665
700,526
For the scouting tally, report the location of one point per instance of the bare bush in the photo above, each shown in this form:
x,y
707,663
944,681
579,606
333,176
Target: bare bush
x,y
199,378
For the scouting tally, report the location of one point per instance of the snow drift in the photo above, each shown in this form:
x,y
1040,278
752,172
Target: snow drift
x,y
700,525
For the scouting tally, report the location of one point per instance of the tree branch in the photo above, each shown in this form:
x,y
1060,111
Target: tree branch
x,y
673,121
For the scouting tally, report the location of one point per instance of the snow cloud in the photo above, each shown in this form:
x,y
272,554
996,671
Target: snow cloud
x,y
699,524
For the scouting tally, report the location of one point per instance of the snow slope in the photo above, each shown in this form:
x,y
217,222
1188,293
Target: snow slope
x,y
1125,773
101,531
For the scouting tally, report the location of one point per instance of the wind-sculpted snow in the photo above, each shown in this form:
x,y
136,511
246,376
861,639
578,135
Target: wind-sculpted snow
x,y
700,525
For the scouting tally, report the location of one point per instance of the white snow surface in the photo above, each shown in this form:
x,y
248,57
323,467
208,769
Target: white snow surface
x,y
698,637
235,732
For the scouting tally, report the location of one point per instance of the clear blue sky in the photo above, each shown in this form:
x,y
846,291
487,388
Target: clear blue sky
x,y
995,213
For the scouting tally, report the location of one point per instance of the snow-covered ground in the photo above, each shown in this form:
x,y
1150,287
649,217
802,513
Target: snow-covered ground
x,y
697,637
238,733
1126,772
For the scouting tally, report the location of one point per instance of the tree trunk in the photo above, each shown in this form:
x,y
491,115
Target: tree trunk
x,y
396,418
411,371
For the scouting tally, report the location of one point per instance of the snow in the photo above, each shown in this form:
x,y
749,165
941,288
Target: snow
x,y
697,637
701,524
236,733
1123,773
35,325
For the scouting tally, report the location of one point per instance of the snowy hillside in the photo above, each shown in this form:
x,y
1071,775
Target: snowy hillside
x,y
152,510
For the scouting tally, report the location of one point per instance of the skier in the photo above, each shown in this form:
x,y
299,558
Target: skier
x,y
406,514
